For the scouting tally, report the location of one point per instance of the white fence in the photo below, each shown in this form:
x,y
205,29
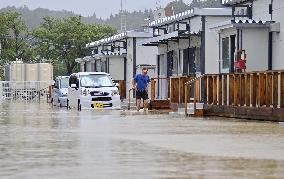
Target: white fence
x,y
24,90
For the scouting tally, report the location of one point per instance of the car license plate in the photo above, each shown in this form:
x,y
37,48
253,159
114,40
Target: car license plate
x,y
98,105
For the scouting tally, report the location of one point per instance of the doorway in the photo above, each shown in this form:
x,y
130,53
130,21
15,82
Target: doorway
x,y
189,66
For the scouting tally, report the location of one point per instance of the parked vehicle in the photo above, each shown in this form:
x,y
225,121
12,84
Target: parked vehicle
x,y
93,90
60,91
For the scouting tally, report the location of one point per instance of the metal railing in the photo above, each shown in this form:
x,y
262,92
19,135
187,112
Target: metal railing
x,y
24,90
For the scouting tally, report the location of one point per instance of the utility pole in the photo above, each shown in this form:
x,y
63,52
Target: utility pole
x,y
123,23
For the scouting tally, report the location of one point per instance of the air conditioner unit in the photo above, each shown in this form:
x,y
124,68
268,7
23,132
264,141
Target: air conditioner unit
x,y
275,27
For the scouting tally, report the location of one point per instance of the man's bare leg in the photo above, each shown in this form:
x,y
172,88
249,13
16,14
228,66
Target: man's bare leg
x,y
138,104
145,105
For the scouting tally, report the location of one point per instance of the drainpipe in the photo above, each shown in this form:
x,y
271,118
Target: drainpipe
x,y
219,53
134,56
202,55
270,47
134,60
270,39
125,68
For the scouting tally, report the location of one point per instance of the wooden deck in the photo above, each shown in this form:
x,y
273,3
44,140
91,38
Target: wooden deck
x,y
254,95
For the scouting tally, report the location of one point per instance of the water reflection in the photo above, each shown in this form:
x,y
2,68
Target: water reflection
x,y
41,141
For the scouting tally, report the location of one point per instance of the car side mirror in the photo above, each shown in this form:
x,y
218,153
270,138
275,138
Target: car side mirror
x,y
116,84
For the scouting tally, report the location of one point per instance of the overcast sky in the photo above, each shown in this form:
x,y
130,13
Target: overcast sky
x,y
102,8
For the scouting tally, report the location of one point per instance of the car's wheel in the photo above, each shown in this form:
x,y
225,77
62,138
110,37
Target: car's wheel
x,y
67,105
79,105
59,103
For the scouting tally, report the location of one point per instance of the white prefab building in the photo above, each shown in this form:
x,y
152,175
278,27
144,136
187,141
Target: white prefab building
x,y
120,56
186,44
255,28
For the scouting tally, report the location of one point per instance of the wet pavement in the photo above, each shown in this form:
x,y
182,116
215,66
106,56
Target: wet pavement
x,y
41,141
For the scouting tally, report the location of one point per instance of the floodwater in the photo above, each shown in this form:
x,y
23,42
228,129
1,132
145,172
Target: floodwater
x,y
41,141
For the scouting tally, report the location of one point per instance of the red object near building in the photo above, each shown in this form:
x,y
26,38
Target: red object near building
x,y
169,11
240,64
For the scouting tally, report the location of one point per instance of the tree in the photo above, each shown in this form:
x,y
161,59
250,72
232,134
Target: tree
x,y
15,39
64,40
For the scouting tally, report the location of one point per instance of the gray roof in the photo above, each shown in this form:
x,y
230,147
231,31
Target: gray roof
x,y
230,2
122,36
191,13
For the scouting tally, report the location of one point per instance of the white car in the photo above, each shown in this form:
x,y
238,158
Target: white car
x,y
92,90
60,90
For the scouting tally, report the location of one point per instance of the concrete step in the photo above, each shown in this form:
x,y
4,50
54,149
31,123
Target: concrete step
x,y
198,105
190,108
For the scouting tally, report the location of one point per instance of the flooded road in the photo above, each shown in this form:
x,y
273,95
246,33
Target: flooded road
x,y
38,141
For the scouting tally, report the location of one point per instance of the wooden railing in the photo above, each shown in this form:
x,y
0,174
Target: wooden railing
x,y
155,87
255,89
177,89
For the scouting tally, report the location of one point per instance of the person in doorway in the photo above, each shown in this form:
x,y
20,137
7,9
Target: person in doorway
x,y
140,83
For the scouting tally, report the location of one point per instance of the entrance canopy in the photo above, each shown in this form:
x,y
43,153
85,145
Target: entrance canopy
x,y
240,24
163,39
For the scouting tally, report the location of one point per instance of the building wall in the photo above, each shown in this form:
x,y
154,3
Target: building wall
x,y
116,68
89,66
260,10
146,54
129,64
212,45
255,42
195,24
82,66
278,37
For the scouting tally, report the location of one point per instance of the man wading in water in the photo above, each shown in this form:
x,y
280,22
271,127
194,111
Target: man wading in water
x,y
140,84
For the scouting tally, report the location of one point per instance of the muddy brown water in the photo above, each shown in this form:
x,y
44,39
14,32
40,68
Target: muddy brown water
x,y
41,141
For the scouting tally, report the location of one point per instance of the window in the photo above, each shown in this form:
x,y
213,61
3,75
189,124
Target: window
x,y
64,82
56,85
96,81
226,53
104,66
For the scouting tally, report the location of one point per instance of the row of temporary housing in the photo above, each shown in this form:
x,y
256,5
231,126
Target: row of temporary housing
x,y
198,41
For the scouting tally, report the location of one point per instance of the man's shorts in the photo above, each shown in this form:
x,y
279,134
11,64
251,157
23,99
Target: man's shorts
x,y
142,94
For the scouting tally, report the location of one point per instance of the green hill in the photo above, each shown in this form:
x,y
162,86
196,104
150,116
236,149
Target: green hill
x,y
135,19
